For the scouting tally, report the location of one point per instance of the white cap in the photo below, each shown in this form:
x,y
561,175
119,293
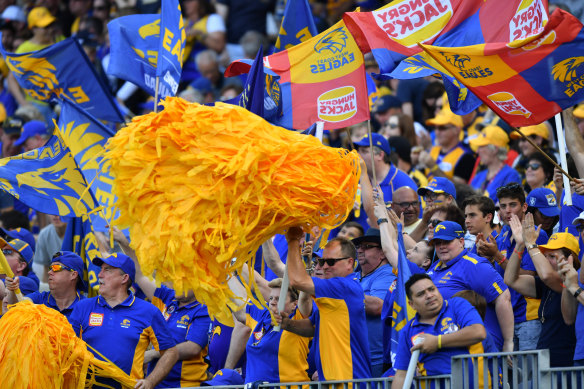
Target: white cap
x,y
15,13
579,219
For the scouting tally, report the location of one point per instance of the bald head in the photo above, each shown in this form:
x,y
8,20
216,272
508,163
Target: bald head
x,y
406,202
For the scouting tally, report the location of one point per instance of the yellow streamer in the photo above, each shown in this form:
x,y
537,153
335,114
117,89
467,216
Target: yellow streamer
x,y
199,186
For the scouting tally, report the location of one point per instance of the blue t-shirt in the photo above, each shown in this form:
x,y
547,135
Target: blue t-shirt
x,y
187,323
376,284
505,176
47,299
470,272
456,313
569,213
579,352
219,339
275,356
122,333
394,179
340,329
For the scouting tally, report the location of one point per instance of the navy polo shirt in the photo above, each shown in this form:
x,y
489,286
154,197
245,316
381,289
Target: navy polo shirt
x,y
47,299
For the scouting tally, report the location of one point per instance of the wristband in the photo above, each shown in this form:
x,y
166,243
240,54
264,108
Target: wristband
x,y
577,292
439,341
518,253
382,220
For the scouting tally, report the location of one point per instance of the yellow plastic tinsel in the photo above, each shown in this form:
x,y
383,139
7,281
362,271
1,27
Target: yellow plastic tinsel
x,y
38,349
201,185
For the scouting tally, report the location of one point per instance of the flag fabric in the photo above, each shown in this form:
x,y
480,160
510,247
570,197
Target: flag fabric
x,y
322,79
80,239
63,71
261,92
372,93
136,44
401,310
528,81
48,180
86,138
297,25
392,32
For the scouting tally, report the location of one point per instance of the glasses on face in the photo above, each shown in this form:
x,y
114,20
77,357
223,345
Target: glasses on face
x,y
407,204
435,222
391,125
330,261
533,166
366,247
8,251
57,267
431,196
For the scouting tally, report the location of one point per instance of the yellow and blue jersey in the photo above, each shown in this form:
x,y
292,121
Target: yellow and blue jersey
x,y
123,333
489,188
47,299
470,272
274,356
455,159
340,329
188,323
456,313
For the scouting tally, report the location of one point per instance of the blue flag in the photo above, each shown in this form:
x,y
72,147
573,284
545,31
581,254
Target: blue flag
x,y
48,180
402,312
80,239
297,25
86,138
140,53
63,71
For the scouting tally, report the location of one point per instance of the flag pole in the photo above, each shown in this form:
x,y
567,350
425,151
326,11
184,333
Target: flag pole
x,y
283,294
371,153
5,267
156,95
412,366
562,149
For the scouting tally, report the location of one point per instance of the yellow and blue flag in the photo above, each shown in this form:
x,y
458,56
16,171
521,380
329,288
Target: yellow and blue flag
x,y
80,239
63,71
86,138
525,81
140,53
48,180
297,25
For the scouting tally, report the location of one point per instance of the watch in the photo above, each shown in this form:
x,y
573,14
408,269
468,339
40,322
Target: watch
x,y
532,246
383,220
577,292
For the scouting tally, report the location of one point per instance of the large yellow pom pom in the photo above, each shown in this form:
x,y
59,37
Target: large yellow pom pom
x,y
199,186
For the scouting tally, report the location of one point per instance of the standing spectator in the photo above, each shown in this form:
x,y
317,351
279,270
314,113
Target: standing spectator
x,y
407,204
445,327
440,190
49,241
19,255
479,212
539,172
34,135
542,204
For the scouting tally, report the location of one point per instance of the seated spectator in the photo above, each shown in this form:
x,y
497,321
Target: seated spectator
x,y
539,172
406,203
400,125
441,329
208,65
492,145
540,135
440,190
385,107
479,212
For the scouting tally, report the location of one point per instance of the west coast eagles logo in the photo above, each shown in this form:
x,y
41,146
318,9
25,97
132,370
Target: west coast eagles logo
x,y
335,41
458,60
439,227
37,71
570,72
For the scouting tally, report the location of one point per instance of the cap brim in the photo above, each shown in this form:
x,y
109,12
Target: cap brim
x,y
363,143
97,261
361,239
45,22
447,238
550,211
578,219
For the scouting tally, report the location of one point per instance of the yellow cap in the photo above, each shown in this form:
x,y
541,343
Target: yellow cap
x,y
579,111
562,240
40,17
490,135
539,129
444,117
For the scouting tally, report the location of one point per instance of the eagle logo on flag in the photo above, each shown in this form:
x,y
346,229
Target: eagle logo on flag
x,y
458,60
335,41
566,70
41,73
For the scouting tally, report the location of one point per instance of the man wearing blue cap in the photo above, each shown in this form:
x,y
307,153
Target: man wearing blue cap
x,y
439,190
120,326
66,284
542,204
34,135
458,269
385,107
19,256
388,176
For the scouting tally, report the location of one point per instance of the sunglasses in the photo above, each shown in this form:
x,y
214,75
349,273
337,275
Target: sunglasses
x,y
330,261
406,204
57,267
366,247
8,251
435,222
533,166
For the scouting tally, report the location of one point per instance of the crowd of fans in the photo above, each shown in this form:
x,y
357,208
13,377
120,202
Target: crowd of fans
x,y
491,241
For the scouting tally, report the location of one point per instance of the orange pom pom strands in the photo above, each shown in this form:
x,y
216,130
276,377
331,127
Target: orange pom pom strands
x,y
38,349
201,185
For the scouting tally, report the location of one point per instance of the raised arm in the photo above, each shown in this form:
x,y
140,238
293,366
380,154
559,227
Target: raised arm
x,y
574,140
272,258
297,274
523,284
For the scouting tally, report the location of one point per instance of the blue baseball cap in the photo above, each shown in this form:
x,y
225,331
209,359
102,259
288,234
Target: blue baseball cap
x,y
22,247
448,231
317,253
544,199
119,260
22,234
439,185
224,377
377,140
372,235
385,103
30,129
73,261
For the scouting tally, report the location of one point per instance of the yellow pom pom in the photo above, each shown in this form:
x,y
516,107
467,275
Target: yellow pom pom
x,y
199,186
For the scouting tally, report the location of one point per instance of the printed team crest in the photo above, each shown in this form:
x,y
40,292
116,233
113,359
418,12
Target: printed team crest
x,y
439,227
458,60
551,199
258,336
448,326
125,323
335,41
570,72
532,201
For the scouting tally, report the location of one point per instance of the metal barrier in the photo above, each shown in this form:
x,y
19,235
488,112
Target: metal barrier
x,y
563,377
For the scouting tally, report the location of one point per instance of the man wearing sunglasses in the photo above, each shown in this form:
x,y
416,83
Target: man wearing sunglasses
x,y
120,326
66,284
338,325
375,277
